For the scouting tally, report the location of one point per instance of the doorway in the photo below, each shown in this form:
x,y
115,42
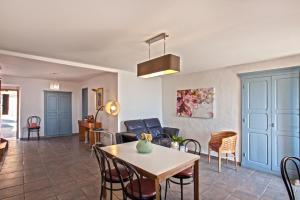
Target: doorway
x,y
84,101
10,113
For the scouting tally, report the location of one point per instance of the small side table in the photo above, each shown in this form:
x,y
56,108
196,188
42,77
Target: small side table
x,y
98,134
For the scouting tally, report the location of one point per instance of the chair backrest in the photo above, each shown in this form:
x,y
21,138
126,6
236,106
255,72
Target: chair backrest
x,y
33,120
103,162
227,139
286,176
192,145
134,176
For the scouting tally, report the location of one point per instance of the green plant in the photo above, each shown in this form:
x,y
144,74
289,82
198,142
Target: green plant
x,y
178,139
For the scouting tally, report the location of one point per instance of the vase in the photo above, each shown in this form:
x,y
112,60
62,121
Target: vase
x,y
144,146
174,145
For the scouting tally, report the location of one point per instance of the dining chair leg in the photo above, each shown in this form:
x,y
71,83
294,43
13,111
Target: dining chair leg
x,y
38,134
181,188
234,154
111,191
208,154
219,162
166,189
28,134
226,158
101,192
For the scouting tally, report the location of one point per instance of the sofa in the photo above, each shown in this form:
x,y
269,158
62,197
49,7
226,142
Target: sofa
x,y
134,128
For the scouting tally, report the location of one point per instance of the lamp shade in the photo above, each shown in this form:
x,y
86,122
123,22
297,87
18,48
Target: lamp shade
x,y
112,107
167,64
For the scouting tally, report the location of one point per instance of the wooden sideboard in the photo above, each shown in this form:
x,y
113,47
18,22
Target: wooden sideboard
x,y
85,126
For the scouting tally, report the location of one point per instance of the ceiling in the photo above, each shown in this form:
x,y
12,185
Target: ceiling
x,y
23,67
206,34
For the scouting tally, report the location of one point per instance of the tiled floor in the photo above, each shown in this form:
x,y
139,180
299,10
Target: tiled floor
x,y
61,168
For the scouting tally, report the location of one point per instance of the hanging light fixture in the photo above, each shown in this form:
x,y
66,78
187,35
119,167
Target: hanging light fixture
x,y
166,64
55,84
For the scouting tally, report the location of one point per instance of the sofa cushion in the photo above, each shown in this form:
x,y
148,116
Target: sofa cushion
x,y
136,126
152,122
153,125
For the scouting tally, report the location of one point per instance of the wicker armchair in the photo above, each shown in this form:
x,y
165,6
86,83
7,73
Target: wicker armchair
x,y
223,142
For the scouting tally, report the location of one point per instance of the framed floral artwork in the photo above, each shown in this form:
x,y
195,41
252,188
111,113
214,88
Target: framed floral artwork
x,y
99,98
196,103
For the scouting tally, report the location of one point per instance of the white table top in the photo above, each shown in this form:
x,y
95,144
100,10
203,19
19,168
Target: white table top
x,y
159,161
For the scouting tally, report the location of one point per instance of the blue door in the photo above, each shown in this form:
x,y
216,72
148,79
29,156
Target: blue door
x,y
256,117
285,117
58,113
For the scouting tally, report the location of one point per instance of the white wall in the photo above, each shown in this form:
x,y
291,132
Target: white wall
x,y
108,81
227,99
32,99
139,98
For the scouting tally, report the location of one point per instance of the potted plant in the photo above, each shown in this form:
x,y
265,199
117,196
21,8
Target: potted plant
x,y
176,140
144,145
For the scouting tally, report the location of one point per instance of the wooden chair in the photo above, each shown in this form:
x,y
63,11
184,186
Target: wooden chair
x,y
223,142
138,188
293,164
108,174
33,124
186,176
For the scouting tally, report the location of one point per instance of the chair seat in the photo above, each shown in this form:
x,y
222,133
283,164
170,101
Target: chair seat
x,y
114,176
147,188
34,127
187,173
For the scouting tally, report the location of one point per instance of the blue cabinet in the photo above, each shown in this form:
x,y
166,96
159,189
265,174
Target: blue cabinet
x,y
270,117
58,113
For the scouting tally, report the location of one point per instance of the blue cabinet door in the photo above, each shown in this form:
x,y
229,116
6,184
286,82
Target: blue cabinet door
x,y
285,118
58,113
256,139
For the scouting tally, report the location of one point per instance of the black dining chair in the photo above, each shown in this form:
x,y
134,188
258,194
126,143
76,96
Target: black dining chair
x,y
33,124
292,164
108,174
138,187
186,176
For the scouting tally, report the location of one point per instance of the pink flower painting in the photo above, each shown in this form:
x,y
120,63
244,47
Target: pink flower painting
x,y
196,103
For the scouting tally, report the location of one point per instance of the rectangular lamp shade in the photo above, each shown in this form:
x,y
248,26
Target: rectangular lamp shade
x,y
167,64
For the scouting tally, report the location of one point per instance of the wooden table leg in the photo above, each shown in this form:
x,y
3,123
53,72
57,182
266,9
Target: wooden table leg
x,y
196,180
157,189
91,137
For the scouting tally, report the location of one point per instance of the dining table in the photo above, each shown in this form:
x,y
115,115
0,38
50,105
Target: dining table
x,y
159,165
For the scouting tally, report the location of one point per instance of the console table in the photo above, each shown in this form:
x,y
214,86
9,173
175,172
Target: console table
x,y
85,126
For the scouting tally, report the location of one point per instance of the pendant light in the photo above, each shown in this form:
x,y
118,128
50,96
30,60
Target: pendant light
x,y
166,64
54,85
